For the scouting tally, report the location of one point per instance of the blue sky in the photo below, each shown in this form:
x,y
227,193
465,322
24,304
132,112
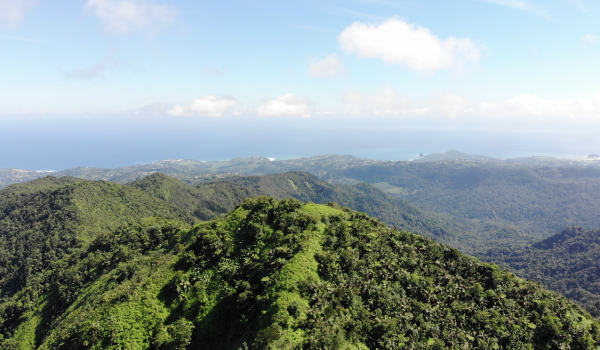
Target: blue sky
x,y
469,65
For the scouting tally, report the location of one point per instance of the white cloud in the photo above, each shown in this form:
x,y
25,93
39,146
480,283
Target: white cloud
x,y
13,11
386,101
448,103
352,97
210,106
329,67
590,39
398,42
520,5
388,98
179,111
531,106
283,106
528,104
124,16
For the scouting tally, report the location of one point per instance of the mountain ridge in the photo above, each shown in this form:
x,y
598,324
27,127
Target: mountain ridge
x,y
286,274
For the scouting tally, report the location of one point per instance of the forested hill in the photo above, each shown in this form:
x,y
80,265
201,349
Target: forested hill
x,y
470,236
285,274
207,201
567,262
536,200
203,202
42,220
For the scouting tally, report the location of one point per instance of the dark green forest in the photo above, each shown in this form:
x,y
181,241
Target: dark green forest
x,y
73,254
535,200
282,275
567,262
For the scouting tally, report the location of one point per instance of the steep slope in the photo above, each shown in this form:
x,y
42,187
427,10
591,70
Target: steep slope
x,y
284,275
44,219
566,262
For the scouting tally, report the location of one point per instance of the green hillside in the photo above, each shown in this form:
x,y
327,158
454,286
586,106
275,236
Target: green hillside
x,y
42,220
468,235
566,262
287,275
532,199
204,202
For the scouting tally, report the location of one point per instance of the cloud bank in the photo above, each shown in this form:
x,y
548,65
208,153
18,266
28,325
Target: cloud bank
x,y
387,101
531,105
125,16
415,47
288,105
210,106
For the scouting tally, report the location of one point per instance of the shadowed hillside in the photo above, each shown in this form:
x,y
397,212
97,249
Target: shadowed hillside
x,y
567,262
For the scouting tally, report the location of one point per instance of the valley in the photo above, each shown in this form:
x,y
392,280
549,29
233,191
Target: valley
x,y
190,242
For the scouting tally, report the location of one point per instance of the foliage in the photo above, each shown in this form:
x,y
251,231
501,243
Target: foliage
x,y
203,202
285,274
566,262
534,200
468,235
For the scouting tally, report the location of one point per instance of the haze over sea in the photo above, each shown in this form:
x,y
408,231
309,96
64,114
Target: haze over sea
x,y
121,140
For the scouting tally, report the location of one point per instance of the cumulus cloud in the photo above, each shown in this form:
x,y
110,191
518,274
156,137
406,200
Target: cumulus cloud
x,y
210,106
13,11
329,67
284,106
590,39
124,16
398,42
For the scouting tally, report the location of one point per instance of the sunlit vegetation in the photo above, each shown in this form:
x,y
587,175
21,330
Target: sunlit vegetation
x,y
283,274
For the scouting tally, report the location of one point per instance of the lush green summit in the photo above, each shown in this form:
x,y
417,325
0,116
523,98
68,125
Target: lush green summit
x,y
284,274
86,261
567,262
